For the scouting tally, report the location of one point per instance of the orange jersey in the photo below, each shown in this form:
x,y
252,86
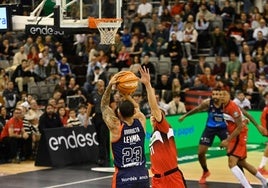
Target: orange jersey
x,y
237,146
264,117
163,154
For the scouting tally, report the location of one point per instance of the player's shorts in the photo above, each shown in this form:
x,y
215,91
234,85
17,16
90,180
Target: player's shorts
x,y
238,146
133,177
209,134
172,180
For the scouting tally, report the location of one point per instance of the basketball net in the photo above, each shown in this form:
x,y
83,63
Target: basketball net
x,y
108,28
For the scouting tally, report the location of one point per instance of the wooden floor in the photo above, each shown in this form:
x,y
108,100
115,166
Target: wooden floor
x,y
26,174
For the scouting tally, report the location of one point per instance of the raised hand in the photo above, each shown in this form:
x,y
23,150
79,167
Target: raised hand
x,y
145,75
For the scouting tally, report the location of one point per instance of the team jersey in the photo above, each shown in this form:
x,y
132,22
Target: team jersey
x,y
232,111
215,116
163,150
264,117
237,146
129,156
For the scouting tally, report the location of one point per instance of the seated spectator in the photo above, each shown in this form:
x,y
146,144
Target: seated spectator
x,y
232,65
241,100
13,136
247,67
40,71
177,8
207,78
218,42
248,34
176,106
10,96
82,116
152,24
4,79
227,14
200,66
64,68
112,55
144,9
251,91
34,54
3,117
30,123
35,108
73,120
176,86
197,85
61,86
149,65
219,67
174,49
176,73
49,119
17,59
72,87
52,71
189,39
160,102
149,47
64,115
98,74
235,36
263,28
260,42
103,59
131,10
6,50
138,28
136,47
261,83
135,65
166,17
187,69
202,27
23,75
234,82
123,58
163,86
161,35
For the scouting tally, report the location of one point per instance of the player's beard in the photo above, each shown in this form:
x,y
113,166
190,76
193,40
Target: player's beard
x,y
216,100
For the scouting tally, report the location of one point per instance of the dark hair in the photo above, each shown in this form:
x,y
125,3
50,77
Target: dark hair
x,y
126,109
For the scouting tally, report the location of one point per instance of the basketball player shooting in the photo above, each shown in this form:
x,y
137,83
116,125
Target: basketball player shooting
x,y
127,130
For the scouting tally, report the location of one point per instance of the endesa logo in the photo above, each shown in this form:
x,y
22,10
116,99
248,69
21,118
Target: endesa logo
x,y
72,141
42,30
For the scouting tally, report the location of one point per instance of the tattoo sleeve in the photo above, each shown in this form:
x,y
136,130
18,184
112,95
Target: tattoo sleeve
x,y
105,101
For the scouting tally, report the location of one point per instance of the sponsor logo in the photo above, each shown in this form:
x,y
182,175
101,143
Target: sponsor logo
x,y
43,30
73,141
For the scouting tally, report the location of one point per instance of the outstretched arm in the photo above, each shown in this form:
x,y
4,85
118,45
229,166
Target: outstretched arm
x,y
203,106
259,127
145,79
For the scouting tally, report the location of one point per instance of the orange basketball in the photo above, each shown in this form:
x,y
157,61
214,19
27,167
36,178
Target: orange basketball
x,y
127,82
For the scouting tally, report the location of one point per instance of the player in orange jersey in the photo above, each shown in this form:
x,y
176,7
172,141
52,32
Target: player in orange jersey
x,y
236,141
163,150
264,123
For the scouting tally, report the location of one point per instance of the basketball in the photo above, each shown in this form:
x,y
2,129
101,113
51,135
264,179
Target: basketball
x,y
127,82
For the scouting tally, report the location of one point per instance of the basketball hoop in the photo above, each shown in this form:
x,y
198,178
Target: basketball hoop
x,y
107,27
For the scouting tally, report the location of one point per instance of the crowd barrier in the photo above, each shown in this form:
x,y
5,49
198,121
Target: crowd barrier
x,y
65,146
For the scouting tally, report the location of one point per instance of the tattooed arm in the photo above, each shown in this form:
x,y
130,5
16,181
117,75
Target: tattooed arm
x,y
108,114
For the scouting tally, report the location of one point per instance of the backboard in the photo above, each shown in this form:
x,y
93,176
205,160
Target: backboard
x,y
70,16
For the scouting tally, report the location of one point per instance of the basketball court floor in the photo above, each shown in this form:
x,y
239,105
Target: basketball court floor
x,y
26,174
